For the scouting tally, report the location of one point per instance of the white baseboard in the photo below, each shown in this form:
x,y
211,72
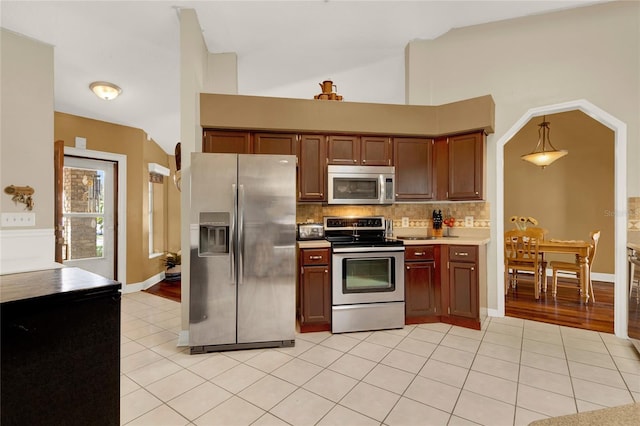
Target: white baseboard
x,y
183,338
149,282
596,276
493,313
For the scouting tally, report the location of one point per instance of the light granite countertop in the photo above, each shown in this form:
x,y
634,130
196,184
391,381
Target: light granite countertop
x,y
461,240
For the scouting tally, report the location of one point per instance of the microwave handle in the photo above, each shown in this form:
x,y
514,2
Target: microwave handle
x,y
382,194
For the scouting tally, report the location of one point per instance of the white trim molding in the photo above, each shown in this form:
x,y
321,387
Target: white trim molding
x,y
121,159
157,168
149,282
620,202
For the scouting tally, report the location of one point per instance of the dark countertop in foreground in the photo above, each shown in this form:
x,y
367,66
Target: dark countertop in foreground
x,y
50,282
622,416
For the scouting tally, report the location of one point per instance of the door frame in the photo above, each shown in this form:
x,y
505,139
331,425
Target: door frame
x,y
121,200
620,312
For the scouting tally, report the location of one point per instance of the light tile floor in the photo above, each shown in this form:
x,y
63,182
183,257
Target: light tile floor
x,y
510,373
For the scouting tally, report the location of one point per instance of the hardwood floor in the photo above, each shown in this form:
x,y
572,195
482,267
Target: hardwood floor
x,y
166,289
566,309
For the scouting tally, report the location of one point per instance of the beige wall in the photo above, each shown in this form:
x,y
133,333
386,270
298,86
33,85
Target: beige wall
x,y
309,115
132,142
26,130
590,53
572,196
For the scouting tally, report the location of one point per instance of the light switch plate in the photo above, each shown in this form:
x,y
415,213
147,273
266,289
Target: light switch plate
x,y
18,219
405,222
468,221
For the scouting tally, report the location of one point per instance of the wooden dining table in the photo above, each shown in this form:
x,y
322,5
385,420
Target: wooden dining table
x,y
581,250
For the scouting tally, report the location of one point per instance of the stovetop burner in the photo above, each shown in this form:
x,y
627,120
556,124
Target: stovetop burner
x,y
357,232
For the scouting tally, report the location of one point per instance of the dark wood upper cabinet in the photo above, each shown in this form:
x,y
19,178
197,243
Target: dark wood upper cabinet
x,y
414,169
343,150
375,151
275,143
458,167
466,166
312,170
359,150
220,141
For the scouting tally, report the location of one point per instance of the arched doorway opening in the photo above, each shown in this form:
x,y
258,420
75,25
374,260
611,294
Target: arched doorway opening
x,y
620,199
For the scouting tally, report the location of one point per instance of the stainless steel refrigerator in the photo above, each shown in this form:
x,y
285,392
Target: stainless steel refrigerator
x,y
242,232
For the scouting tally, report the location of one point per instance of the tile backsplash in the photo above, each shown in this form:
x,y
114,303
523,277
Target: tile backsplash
x,y
419,214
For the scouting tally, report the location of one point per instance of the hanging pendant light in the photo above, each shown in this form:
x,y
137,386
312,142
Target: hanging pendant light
x,y
541,155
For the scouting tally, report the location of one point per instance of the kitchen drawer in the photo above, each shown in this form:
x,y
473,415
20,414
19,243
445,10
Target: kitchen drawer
x,y
316,256
418,253
463,253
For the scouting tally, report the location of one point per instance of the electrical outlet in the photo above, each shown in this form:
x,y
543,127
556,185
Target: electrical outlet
x,y
468,221
18,219
405,222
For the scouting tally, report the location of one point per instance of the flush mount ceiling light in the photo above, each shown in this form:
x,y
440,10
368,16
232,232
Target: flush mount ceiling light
x,y
541,155
105,90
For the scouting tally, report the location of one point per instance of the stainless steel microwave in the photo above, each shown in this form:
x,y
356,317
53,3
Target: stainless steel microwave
x,y
361,184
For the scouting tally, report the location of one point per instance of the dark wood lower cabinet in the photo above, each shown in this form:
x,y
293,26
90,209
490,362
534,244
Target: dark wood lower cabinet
x,y
462,294
314,287
422,284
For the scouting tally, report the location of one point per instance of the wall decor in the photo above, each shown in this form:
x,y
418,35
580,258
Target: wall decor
x,y
21,194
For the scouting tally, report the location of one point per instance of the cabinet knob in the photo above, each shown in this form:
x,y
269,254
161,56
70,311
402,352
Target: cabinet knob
x,y
355,161
477,193
326,271
408,267
419,253
363,161
473,269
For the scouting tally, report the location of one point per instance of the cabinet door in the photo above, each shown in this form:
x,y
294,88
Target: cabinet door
x,y
274,143
375,151
412,158
312,170
420,289
315,295
466,166
344,150
463,290
226,142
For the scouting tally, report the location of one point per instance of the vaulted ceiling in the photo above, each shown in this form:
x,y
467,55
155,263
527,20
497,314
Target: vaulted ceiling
x,y
135,44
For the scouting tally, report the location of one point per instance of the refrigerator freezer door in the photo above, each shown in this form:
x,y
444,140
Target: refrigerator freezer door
x,y
266,255
212,295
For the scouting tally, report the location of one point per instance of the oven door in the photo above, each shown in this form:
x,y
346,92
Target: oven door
x,y
367,275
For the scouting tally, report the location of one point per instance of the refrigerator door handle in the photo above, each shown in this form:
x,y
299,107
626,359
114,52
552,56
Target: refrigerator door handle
x,y
240,234
232,232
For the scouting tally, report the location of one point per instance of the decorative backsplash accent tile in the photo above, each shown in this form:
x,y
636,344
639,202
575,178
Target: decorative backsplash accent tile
x,y
633,214
419,214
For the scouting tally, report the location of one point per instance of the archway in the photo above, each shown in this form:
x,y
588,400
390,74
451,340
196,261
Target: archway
x,y
620,217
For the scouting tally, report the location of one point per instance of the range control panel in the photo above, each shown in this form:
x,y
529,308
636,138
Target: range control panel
x,y
368,223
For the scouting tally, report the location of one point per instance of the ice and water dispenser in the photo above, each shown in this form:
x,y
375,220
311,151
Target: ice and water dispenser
x,y
214,234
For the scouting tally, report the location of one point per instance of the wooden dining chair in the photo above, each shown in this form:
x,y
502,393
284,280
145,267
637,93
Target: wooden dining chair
x,y
634,274
574,267
543,263
521,253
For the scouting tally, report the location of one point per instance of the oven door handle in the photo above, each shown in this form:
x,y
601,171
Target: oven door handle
x,y
367,249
